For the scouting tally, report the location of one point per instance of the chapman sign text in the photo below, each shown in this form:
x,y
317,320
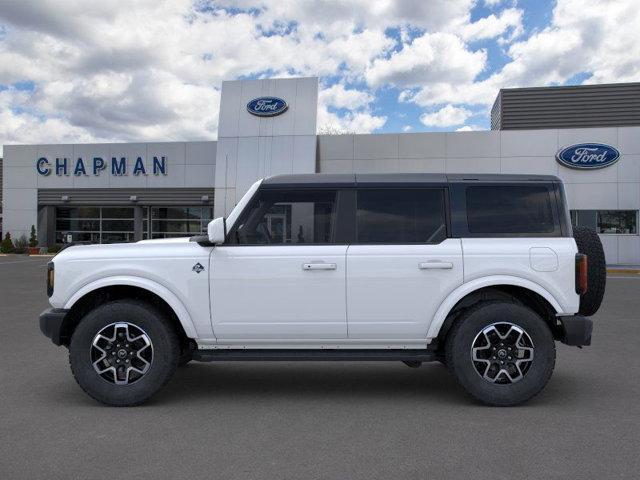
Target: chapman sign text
x,y
117,166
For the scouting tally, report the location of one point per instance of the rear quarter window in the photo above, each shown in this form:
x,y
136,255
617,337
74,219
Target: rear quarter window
x,y
511,209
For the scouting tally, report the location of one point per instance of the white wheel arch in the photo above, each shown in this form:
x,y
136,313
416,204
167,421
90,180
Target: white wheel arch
x,y
163,292
479,283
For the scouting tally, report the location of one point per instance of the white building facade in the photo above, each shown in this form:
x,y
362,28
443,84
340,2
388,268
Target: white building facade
x,y
91,193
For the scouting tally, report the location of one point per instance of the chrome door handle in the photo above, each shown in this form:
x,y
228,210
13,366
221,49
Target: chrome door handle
x,y
435,265
319,266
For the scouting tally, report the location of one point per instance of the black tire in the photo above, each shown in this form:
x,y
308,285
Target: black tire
x,y
589,243
185,358
165,352
458,351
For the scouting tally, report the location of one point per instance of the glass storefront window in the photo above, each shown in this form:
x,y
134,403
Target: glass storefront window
x,y
169,222
116,224
621,222
94,224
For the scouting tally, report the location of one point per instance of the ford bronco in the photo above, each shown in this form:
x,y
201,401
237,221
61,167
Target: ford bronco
x,y
482,273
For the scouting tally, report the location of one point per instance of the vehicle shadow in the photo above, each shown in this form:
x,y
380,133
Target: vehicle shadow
x,y
226,380
232,382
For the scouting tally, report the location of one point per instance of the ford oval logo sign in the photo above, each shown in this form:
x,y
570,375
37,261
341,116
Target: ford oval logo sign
x,y
588,156
267,106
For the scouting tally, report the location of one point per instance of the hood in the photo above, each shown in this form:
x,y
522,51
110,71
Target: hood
x,y
166,240
160,248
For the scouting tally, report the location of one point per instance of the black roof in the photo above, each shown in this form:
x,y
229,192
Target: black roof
x,y
371,179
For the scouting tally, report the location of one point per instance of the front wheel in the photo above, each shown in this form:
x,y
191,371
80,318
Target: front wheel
x,y
122,352
501,353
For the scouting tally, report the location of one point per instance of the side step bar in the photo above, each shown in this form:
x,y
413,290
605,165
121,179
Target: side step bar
x,y
290,355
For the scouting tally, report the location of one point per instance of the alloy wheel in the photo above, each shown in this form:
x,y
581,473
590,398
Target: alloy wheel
x,y
121,353
502,353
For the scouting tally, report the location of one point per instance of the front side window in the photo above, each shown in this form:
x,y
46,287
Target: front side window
x,y
279,217
512,209
401,216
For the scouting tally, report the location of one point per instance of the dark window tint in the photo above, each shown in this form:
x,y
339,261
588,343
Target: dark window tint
x,y
401,216
509,209
288,217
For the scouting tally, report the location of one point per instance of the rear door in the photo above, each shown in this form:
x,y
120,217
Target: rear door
x,y
402,264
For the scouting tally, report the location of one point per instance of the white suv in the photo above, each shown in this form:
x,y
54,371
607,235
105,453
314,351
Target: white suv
x,y
479,272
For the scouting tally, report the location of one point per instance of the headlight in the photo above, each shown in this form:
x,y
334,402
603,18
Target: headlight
x,y
50,278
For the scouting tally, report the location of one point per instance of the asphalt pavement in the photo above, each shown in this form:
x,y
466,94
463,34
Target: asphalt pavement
x,y
316,420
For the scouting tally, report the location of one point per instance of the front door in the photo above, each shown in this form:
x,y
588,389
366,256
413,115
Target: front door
x,y
279,275
402,265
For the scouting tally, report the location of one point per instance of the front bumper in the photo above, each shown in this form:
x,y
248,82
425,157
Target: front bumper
x,y
576,330
52,324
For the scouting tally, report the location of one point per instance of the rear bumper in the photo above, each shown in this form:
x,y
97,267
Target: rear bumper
x,y
576,330
52,323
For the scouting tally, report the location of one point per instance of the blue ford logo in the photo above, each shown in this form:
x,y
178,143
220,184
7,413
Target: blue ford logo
x,y
267,106
588,156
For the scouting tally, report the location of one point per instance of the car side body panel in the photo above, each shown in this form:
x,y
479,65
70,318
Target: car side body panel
x,y
165,268
394,290
548,262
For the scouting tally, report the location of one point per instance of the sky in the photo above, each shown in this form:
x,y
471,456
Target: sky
x,y
75,71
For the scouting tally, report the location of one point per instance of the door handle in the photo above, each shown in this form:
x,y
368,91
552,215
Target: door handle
x,y
435,265
319,266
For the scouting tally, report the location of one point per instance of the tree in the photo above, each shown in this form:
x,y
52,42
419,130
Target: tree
x,y
33,238
7,244
20,245
333,129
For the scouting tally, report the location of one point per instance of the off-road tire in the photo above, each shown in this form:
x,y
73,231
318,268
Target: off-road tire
x,y
166,352
459,361
185,359
589,243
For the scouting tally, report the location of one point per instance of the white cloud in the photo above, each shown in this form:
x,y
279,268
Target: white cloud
x,y
351,122
469,128
407,128
338,96
358,118
509,20
152,70
582,37
432,57
447,116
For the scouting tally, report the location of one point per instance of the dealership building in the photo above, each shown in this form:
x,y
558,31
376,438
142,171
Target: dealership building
x,y
589,136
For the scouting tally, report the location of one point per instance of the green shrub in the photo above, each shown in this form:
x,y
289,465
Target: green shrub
x,y
54,248
21,244
33,238
7,244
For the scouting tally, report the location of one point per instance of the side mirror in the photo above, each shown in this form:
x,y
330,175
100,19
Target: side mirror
x,y
217,230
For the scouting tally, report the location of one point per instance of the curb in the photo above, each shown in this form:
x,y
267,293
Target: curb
x,y
627,271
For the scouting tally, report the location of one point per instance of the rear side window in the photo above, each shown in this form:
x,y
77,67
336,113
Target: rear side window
x,y
401,216
511,209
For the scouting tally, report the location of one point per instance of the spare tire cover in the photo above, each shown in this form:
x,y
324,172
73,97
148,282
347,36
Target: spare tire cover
x,y
589,243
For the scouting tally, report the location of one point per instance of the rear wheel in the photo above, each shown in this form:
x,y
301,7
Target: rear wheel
x,y
501,353
122,352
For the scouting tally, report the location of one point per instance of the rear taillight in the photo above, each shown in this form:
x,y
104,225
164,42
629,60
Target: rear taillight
x,y
50,278
582,281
